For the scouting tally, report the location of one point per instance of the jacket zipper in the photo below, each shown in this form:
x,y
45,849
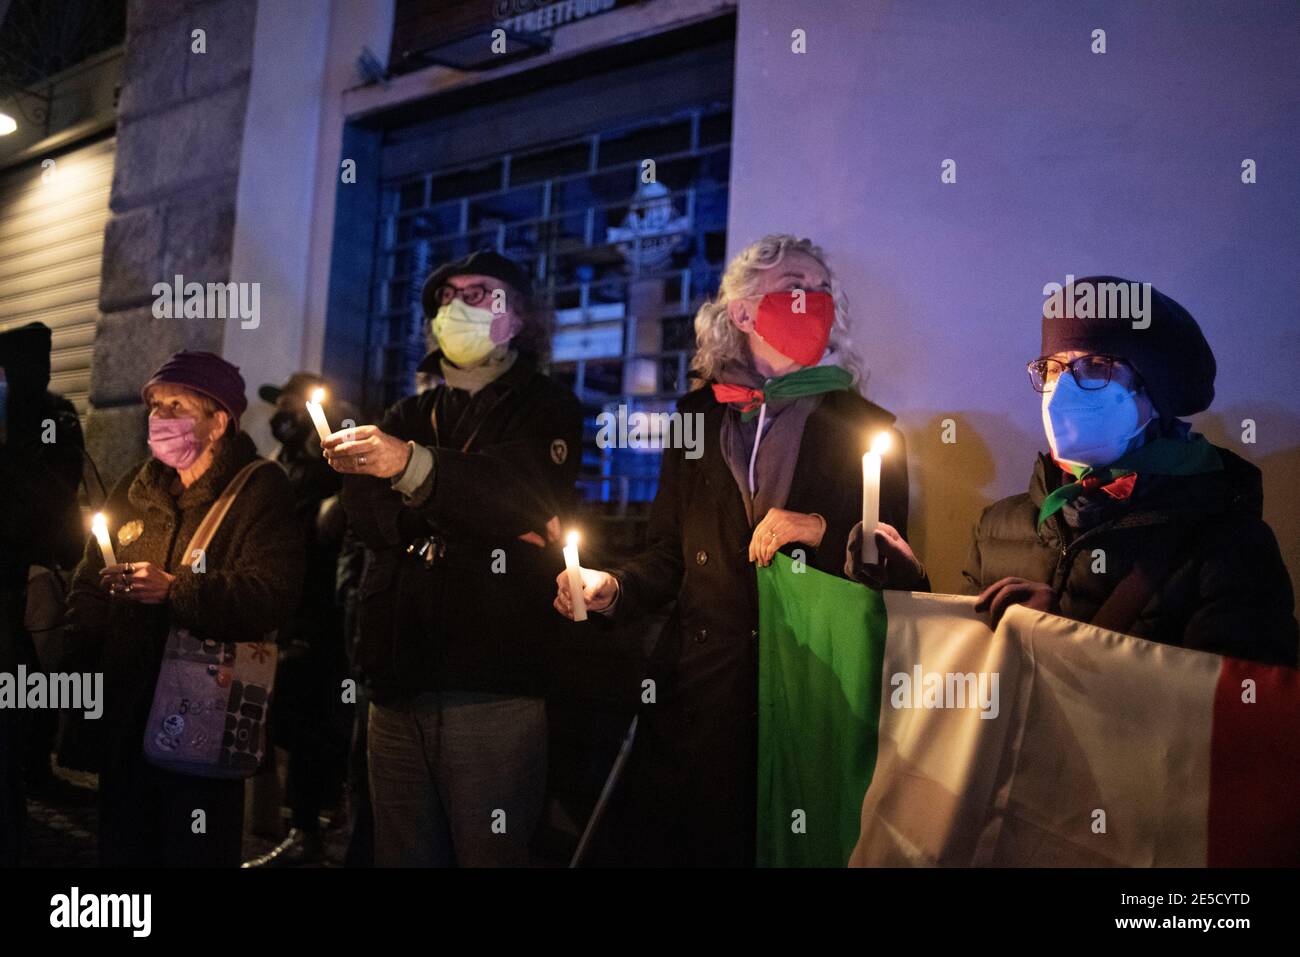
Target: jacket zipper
x,y
1067,553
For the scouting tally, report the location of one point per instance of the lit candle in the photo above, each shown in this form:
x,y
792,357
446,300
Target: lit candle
x,y
99,525
871,497
575,577
317,413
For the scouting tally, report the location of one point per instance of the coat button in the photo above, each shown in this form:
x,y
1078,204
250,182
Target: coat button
x,y
701,557
702,636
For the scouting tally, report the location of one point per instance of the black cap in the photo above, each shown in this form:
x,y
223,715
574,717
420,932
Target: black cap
x,y
298,382
482,263
1169,353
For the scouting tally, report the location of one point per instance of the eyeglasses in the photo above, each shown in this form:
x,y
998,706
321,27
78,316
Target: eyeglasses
x,y
1091,372
471,295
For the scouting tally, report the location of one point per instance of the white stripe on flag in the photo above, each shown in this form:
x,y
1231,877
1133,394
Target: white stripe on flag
x,y
1087,721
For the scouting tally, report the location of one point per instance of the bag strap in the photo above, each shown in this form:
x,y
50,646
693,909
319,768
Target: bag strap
x,y
217,512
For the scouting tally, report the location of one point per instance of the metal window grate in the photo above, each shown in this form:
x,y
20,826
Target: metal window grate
x,y
622,263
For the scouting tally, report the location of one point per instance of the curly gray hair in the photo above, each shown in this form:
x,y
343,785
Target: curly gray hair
x,y
717,340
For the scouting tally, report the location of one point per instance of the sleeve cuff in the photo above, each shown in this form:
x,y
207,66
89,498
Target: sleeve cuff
x,y
611,611
416,471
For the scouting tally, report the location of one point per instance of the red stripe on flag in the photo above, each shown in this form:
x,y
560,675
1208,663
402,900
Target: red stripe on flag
x,y
1254,817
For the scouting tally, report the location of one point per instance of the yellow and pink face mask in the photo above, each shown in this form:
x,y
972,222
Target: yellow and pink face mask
x,y
468,334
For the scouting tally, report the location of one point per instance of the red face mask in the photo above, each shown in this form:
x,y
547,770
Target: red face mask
x,y
801,336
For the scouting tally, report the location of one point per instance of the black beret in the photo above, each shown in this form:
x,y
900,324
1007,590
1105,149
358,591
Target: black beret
x,y
1166,348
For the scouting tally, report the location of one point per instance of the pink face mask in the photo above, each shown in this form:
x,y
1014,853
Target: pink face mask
x,y
174,442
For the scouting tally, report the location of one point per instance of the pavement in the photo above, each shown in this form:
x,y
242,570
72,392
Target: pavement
x,y
63,826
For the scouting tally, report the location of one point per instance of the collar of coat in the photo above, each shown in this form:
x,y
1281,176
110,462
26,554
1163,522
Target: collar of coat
x,y
152,486
1238,487
523,366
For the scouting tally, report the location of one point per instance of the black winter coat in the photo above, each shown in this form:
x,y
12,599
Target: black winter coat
x,y
464,621
690,792
40,523
250,585
316,622
1226,591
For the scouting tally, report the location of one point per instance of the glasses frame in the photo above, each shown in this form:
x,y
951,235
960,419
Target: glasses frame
x,y
446,292
1110,363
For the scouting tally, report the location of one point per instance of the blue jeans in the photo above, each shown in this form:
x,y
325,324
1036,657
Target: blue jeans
x,y
457,778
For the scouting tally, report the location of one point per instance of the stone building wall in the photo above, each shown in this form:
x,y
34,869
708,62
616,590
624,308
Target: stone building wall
x,y
180,129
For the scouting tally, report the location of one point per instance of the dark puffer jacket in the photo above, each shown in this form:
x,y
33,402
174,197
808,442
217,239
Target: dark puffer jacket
x,y
252,579
1226,589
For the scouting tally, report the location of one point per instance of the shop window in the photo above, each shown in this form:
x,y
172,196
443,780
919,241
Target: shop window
x,y
621,264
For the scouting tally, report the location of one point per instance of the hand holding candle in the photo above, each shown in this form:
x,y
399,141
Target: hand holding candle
x,y
315,408
571,567
99,525
871,497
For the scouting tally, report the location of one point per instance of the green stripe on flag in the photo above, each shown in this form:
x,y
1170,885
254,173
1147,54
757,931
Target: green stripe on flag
x,y
821,644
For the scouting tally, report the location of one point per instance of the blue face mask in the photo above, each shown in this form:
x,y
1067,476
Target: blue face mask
x,y
1091,427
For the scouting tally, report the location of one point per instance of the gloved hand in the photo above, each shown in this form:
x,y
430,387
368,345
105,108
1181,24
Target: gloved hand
x,y
1005,592
897,569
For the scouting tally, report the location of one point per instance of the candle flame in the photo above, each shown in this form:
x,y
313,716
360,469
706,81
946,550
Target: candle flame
x,y
880,444
318,396
571,539
99,523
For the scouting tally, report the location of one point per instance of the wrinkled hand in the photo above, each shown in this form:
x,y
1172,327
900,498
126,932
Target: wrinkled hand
x,y
599,589
366,450
779,527
897,569
144,582
1005,592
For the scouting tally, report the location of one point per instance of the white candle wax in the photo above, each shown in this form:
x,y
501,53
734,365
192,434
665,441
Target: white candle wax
x,y
99,525
870,506
871,497
317,414
575,578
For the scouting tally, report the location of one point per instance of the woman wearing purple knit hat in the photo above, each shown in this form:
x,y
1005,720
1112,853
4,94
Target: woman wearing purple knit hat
x,y
120,614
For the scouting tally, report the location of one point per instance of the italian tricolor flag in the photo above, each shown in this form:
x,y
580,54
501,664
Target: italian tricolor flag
x,y
896,729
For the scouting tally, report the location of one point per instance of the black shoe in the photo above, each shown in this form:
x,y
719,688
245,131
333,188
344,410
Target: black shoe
x,y
300,848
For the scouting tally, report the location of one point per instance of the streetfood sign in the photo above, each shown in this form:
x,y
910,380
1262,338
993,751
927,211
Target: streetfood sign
x,y
535,16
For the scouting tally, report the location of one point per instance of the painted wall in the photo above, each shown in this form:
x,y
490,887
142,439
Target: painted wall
x,y
1127,162
289,159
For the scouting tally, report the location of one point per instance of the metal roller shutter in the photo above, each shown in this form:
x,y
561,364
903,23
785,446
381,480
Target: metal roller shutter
x,y
51,246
